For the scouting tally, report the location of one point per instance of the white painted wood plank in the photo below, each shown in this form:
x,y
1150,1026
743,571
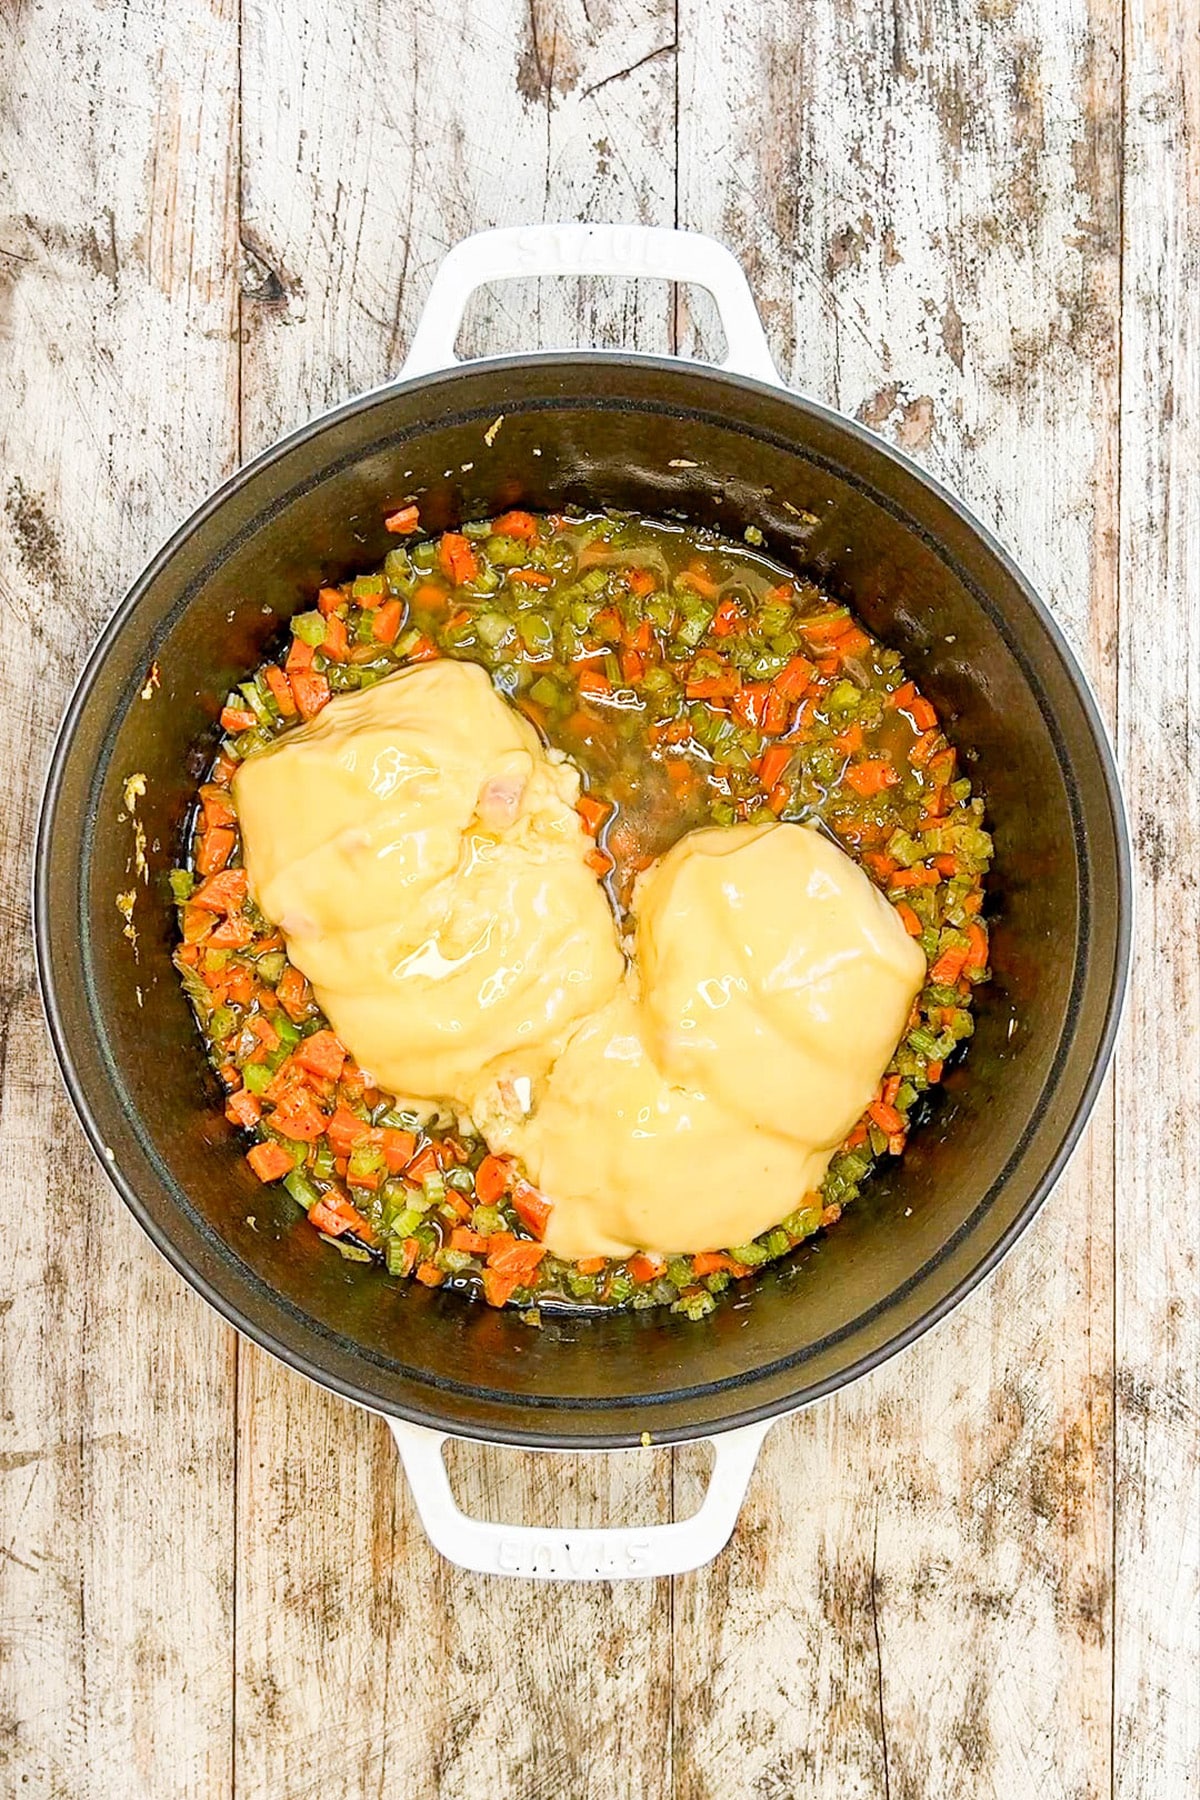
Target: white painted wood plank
x,y
117,382
926,204
1157,1649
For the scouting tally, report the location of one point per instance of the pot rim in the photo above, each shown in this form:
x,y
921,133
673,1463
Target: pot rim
x,y
537,1436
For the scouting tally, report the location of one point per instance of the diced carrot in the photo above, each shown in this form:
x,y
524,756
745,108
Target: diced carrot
x,y
292,992
973,902
492,1178
896,1142
872,777
244,1109
540,578
778,798
398,1147
853,643
237,718
709,1262
311,691
591,681
946,864
727,619
422,651
933,1071
793,679
773,761
949,966
335,1215
826,627
299,657
240,987
885,1116
345,1130
516,525
424,1163
977,952
411,1250
499,1289
463,1239
215,849
922,714
530,1207
299,1117
919,876
641,581
457,1204
429,1275
336,642
776,713
599,862
593,812
923,749
223,770
590,1265
750,702
264,1031
850,740
328,600
521,1257
322,1054
456,559
858,1136
909,919
386,622
633,667
217,810
223,892
270,1161
281,687
722,686
233,933
900,697
406,520
645,1268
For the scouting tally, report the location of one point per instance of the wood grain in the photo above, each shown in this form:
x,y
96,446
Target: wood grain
x,y
971,223
937,251
1157,1542
361,166
117,216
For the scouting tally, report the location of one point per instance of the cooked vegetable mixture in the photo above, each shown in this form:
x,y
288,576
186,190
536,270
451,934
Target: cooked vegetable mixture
x,y
694,683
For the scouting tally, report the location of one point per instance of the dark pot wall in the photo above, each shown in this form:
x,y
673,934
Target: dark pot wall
x,y
599,430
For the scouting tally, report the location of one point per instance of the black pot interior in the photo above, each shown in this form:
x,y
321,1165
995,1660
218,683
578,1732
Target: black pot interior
x,y
672,440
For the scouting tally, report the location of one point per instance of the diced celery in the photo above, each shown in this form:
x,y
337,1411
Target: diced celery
x,y
301,1189
492,628
183,884
750,1254
309,627
270,966
257,1077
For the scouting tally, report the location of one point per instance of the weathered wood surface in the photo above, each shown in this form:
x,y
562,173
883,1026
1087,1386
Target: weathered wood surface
x,y
975,227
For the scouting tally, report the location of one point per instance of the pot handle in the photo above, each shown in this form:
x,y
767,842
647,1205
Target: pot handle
x,y
633,250
589,1553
